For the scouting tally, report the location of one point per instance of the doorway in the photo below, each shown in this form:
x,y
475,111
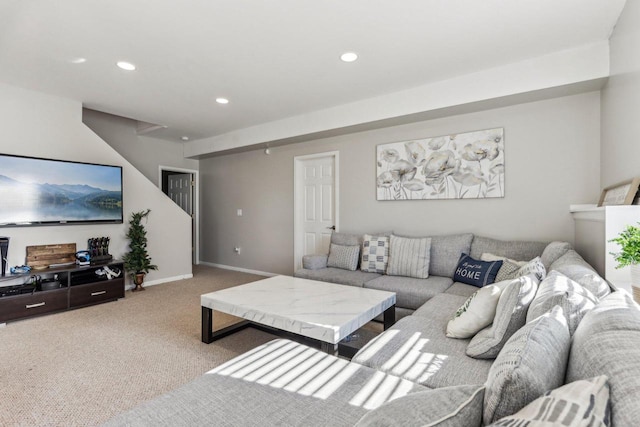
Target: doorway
x,y
181,186
315,204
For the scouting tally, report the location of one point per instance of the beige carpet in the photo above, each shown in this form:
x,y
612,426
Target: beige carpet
x,y
84,366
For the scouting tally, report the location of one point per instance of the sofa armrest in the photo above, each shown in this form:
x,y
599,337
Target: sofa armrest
x,y
314,262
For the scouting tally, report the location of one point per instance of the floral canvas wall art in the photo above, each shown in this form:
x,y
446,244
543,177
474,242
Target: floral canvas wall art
x,y
460,166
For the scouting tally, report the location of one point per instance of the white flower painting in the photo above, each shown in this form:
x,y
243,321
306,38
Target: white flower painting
x,y
461,166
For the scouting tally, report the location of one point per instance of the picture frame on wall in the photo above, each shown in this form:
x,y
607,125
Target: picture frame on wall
x,y
622,193
467,165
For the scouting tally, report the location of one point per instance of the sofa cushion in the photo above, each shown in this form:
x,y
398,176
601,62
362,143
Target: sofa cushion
x,y
607,342
337,275
345,257
410,293
346,239
572,265
415,348
278,383
558,289
446,251
409,256
461,289
553,251
476,313
444,407
475,272
580,403
375,254
531,362
518,250
511,315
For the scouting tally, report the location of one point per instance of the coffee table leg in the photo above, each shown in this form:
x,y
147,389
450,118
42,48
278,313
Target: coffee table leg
x,y
389,317
329,348
207,325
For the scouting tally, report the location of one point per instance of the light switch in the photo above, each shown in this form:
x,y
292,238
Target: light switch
x,y
239,212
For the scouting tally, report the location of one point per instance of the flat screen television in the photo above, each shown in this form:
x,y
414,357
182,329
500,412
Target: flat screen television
x,y
35,191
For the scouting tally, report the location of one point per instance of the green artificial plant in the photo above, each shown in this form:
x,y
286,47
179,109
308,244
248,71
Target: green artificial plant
x,y
629,241
137,260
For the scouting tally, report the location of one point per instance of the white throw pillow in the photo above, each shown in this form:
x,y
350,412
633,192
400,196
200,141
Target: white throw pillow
x,y
487,256
477,312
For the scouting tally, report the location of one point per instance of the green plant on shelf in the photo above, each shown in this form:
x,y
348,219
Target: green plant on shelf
x,y
629,241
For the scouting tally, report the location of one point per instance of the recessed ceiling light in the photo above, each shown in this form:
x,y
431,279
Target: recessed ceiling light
x,y
349,56
222,100
184,138
128,66
78,60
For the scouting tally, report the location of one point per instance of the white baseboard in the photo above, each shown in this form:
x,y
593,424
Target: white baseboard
x,y
164,280
243,270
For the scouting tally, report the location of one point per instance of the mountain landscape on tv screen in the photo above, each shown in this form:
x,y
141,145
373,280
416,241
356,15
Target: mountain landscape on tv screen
x,y
31,202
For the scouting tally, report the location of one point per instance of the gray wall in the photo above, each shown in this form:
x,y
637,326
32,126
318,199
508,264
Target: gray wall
x,y
552,153
144,152
621,101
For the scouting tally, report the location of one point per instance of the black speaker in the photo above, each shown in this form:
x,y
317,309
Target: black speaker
x,y
4,248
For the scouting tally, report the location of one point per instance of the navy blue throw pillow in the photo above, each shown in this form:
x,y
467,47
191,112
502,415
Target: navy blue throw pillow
x,y
475,272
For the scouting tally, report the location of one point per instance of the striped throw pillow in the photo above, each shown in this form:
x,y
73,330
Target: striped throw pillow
x,y
409,257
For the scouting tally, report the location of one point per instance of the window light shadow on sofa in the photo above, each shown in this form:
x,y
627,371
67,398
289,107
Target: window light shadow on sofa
x,y
285,365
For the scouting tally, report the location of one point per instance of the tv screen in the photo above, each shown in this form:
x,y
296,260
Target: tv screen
x,y
36,191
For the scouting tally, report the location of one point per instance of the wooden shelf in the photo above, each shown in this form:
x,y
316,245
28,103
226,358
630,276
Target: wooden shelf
x,y
80,287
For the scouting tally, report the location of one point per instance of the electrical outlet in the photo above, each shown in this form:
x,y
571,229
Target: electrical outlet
x,y
237,249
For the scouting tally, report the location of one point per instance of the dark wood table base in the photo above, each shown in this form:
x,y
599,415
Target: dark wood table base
x,y
209,335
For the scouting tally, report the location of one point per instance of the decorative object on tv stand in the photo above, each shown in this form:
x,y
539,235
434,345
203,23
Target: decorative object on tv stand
x,y
622,193
137,261
4,248
629,255
458,166
98,248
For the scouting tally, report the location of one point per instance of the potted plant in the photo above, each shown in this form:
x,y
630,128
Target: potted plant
x,y
137,261
629,255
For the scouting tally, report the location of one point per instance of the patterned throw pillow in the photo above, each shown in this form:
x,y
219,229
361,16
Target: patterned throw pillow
x,y
345,257
577,404
511,315
508,271
409,257
476,313
448,406
375,254
532,362
475,272
535,267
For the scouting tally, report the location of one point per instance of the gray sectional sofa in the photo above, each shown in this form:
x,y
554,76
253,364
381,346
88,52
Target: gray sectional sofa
x,y
564,347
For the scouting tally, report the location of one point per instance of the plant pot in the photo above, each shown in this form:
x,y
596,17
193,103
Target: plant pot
x,y
138,279
635,281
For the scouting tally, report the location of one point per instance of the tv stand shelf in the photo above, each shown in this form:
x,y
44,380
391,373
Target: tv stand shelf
x,y
79,287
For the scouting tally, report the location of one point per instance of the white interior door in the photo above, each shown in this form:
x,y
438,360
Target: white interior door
x,y
316,204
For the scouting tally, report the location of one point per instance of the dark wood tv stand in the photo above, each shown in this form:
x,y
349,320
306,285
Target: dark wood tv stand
x,y
80,287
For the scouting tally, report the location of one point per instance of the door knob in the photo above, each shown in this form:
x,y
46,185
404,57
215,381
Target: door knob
x,y
333,227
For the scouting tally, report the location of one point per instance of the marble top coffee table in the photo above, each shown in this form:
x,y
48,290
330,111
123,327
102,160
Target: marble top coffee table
x,y
322,311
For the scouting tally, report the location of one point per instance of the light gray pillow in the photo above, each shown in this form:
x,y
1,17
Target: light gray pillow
x,y
577,404
511,315
375,254
572,265
444,407
508,271
558,289
345,257
535,267
409,257
532,362
552,252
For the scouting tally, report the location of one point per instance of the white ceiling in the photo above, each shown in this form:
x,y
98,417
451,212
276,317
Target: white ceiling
x,y
272,59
